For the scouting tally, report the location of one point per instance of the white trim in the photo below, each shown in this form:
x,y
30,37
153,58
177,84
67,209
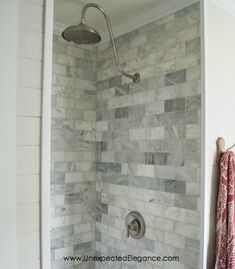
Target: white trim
x,y
138,20
46,128
202,256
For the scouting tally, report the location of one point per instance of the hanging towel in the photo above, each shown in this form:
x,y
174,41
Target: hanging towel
x,y
225,220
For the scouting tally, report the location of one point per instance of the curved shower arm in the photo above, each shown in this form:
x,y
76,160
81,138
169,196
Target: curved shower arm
x,y
135,77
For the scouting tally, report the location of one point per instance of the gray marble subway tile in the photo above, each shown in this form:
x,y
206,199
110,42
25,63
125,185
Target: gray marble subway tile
x,y
62,232
122,90
163,249
102,85
170,119
86,265
186,173
192,159
108,198
187,202
58,48
187,257
86,64
65,210
102,208
155,33
191,145
108,167
73,135
129,157
90,54
97,236
115,81
177,104
81,248
126,146
169,145
175,77
140,86
64,124
98,217
70,188
73,114
73,198
156,184
73,239
146,244
187,16
162,158
178,159
57,243
191,117
192,244
83,146
57,189
193,103
98,197
115,178
175,131
99,116
101,146
149,158
122,112
139,182
89,93
175,186
193,46
57,178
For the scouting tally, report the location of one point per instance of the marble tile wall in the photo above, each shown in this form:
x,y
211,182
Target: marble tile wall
x,y
72,153
148,142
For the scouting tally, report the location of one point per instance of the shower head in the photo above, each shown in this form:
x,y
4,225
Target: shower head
x,y
81,34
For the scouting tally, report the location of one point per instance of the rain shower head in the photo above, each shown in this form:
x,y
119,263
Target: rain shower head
x,y
82,34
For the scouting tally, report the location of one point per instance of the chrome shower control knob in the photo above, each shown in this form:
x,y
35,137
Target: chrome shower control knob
x,y
135,225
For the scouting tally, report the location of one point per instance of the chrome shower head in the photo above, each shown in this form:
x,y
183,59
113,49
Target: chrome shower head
x,y
81,34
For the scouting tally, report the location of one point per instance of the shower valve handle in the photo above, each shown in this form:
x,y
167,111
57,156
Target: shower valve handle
x,y
132,226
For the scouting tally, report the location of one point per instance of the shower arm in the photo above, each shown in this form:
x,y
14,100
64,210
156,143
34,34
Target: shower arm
x,y
135,77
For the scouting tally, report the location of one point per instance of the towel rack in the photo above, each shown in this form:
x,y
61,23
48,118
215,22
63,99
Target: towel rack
x,y
220,145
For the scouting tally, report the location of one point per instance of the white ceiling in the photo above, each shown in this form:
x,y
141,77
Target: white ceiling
x,y
228,5
121,12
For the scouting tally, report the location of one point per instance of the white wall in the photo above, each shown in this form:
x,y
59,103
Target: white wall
x,y
8,33
28,131
219,105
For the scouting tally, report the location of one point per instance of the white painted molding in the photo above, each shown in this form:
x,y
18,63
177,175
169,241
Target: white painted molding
x,y
46,137
204,175
139,20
